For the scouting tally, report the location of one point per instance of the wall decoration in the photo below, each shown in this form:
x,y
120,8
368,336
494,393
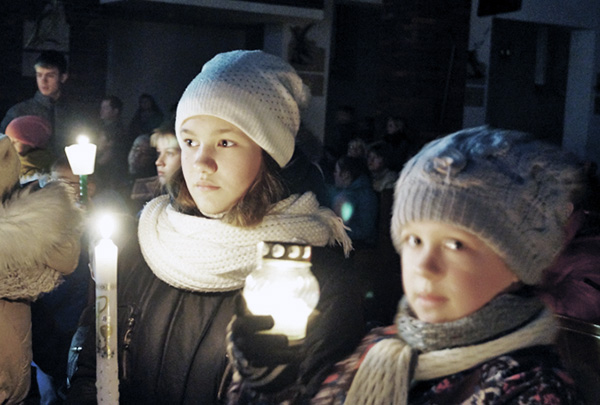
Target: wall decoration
x,y
49,30
307,58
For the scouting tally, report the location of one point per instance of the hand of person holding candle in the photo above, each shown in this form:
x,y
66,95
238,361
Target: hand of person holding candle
x,y
263,360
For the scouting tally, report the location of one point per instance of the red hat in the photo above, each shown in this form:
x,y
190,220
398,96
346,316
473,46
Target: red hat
x,y
31,130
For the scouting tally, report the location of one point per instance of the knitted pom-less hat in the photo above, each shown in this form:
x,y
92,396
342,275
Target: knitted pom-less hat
x,y
511,191
31,130
259,93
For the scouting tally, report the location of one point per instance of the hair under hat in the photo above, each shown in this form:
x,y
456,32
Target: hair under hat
x,y
31,130
259,93
505,187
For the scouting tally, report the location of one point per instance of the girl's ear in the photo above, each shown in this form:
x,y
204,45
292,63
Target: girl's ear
x,y
569,209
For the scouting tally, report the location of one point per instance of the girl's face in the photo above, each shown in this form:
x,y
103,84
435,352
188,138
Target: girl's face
x,y
219,162
375,162
449,273
169,158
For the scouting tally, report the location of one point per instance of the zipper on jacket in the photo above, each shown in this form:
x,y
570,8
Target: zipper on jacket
x,y
126,342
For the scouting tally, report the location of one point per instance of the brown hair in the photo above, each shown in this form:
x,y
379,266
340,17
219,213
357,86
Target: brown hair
x,y
267,189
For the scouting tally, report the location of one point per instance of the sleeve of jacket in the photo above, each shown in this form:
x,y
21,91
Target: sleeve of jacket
x,y
81,368
333,332
339,325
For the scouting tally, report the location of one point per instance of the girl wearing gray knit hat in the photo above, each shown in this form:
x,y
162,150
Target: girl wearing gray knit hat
x,y
179,280
477,216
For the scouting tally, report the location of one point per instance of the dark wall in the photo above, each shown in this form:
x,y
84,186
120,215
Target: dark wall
x,y
404,58
516,99
86,54
423,62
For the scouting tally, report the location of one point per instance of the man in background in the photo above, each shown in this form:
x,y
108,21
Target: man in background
x,y
49,101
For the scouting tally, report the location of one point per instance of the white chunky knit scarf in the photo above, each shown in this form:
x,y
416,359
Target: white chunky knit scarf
x,y
385,375
203,254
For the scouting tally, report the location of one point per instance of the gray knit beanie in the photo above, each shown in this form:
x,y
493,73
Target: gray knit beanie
x,y
510,190
259,93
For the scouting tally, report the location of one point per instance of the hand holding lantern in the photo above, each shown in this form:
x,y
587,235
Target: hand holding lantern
x,y
284,287
266,335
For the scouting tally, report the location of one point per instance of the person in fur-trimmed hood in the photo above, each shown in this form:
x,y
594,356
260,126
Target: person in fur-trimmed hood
x,y
40,231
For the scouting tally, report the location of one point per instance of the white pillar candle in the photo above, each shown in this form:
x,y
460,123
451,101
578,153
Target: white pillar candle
x,y
105,275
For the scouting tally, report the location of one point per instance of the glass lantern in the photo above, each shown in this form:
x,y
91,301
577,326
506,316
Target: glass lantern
x,y
284,287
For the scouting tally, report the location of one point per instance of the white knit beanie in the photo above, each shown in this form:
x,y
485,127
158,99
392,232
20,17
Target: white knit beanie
x,y
259,93
510,190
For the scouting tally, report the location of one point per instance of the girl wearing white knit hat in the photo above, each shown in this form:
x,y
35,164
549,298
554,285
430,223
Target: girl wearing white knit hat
x,y
236,123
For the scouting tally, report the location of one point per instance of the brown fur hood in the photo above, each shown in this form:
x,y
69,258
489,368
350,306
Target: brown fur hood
x,y
40,233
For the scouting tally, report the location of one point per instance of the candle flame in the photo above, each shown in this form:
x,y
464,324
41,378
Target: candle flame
x,y
106,225
82,140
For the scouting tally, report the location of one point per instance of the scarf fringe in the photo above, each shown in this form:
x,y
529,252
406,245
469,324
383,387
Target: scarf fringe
x,y
386,372
339,234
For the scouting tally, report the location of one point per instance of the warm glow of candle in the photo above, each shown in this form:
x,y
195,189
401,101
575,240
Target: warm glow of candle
x,y
83,140
82,156
105,276
283,286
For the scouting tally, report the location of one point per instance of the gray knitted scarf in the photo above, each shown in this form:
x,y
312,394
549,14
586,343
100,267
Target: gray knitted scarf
x,y
424,351
489,322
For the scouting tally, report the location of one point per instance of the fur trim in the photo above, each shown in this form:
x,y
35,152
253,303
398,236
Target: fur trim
x,y
34,225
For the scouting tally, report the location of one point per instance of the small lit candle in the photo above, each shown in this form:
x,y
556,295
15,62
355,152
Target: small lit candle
x,y
284,287
105,275
82,158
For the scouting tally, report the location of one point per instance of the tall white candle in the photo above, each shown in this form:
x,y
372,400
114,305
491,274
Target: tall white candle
x,y
105,275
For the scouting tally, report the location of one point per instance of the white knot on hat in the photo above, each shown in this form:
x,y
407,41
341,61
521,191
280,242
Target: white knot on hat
x,y
505,187
259,93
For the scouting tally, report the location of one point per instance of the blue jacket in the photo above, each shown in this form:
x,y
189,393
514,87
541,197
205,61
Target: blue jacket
x,y
358,206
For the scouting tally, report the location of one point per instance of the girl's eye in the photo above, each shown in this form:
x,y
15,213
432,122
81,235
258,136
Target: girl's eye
x,y
226,143
412,240
454,244
189,142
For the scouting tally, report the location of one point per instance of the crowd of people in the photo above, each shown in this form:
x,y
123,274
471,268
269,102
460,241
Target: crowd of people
x,y
440,266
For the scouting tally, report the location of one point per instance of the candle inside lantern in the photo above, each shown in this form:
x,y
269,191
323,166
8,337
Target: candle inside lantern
x,y
105,276
82,157
284,287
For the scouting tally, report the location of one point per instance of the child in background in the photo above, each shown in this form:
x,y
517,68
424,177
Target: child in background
x,y
382,177
30,136
168,162
355,201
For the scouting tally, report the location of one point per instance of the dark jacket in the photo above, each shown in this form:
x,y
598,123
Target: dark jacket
x,y
533,375
172,345
61,114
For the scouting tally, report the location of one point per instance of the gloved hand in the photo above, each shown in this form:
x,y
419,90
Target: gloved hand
x,y
265,362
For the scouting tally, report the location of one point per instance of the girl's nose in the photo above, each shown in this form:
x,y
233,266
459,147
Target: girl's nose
x,y
204,159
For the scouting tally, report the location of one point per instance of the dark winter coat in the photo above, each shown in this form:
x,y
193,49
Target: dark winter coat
x,y
172,345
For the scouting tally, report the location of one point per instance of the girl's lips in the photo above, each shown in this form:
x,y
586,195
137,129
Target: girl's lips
x,y
205,186
431,299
